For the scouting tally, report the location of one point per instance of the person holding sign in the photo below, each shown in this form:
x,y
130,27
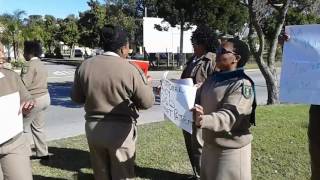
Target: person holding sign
x,y
112,90
14,150
313,128
199,67
224,110
34,76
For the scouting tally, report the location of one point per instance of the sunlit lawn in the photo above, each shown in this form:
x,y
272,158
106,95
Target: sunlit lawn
x,y
280,150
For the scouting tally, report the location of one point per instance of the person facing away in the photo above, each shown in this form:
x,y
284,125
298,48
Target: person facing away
x,y
34,76
199,67
112,91
224,110
14,153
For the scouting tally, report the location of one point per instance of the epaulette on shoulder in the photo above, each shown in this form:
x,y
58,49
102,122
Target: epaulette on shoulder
x,y
8,69
210,56
246,82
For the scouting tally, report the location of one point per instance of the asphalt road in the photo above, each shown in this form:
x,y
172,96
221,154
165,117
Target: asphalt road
x,y
65,118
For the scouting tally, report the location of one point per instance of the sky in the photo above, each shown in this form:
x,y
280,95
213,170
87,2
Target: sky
x,y
57,8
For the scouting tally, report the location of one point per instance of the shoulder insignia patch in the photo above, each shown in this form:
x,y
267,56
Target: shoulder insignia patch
x,y
247,91
24,69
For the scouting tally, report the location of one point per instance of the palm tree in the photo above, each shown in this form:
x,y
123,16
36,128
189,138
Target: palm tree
x,y
12,29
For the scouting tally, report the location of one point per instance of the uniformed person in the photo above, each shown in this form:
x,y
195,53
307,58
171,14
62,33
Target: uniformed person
x,y
112,90
225,110
14,153
199,67
34,76
314,141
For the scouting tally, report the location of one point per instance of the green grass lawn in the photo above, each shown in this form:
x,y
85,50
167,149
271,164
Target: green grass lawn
x,y
280,150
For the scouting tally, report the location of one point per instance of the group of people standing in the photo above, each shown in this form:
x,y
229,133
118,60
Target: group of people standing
x,y
113,90
32,91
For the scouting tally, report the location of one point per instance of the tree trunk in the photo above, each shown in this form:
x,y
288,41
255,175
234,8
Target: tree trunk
x,y
72,51
14,50
181,59
8,52
268,69
14,46
49,49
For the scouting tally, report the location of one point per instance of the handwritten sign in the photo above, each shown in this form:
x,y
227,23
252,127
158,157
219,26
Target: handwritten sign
x,y
177,100
300,82
11,121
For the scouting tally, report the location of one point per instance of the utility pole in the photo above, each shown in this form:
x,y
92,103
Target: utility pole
x,y
145,12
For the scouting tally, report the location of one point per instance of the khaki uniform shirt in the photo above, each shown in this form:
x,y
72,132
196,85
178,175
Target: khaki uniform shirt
x,y
111,88
11,83
199,68
34,76
227,100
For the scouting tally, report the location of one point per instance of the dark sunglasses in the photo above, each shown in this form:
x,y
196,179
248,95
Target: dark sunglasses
x,y
222,50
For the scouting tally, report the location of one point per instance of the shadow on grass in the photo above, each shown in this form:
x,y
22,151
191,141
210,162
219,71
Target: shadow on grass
x,y
74,160
68,159
60,95
157,174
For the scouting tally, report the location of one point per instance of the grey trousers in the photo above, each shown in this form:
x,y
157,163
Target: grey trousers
x,y
34,124
314,141
220,163
14,160
194,144
112,149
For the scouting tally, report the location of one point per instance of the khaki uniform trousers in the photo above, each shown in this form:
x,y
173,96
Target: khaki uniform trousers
x,y
112,149
34,124
219,163
314,141
194,144
14,159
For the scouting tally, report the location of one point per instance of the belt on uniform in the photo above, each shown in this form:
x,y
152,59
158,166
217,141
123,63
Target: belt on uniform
x,y
11,140
113,118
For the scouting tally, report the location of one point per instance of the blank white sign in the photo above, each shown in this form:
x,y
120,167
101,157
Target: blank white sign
x,y
300,76
156,41
11,122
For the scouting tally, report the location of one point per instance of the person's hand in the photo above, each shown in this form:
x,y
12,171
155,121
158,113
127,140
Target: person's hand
x,y
198,85
198,113
149,79
158,90
26,107
284,38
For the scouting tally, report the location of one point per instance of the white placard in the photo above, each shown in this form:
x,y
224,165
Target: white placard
x,y
177,100
11,122
300,82
156,41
